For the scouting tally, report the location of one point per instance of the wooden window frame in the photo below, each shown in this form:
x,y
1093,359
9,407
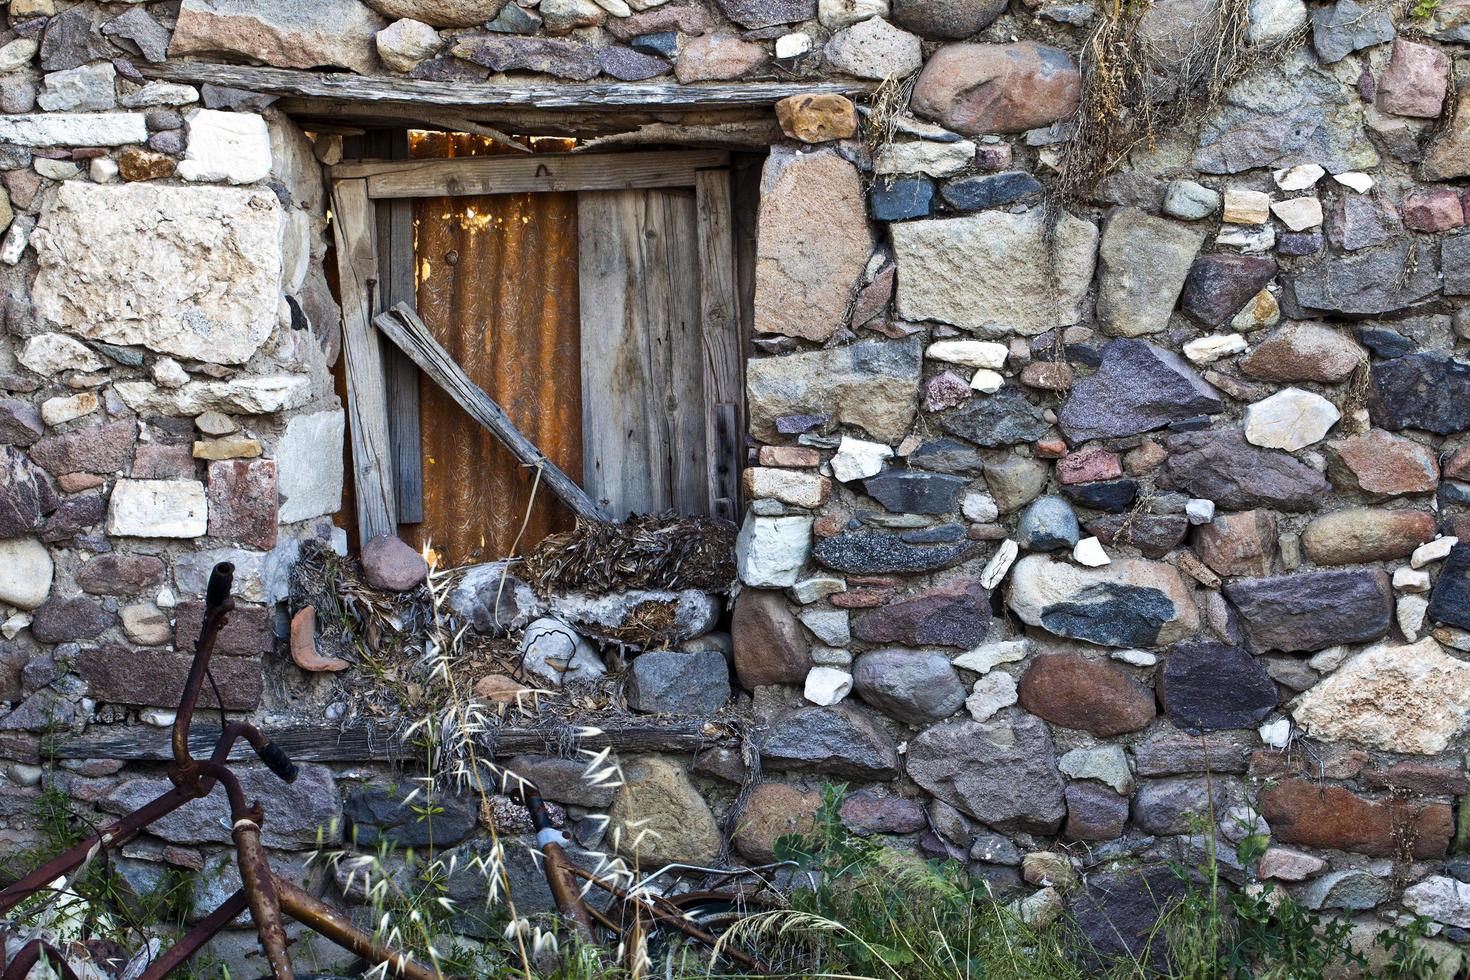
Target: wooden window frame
x,y
386,460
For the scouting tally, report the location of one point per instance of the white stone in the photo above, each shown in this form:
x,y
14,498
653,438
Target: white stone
x,y
999,564
793,45
226,146
68,408
1441,899
827,686
161,93
1135,658
799,488
1090,552
17,238
858,459
1203,350
309,466
11,628
553,651
247,394
1199,510
1410,580
986,657
1291,419
1245,207
189,271
1299,213
1107,764
1410,614
991,693
25,572
1355,180
157,717
1276,733
50,354
615,7
987,381
1303,176
874,49
831,626
103,170
1326,661
840,13
82,89
1285,864
80,129
809,590
979,507
18,53
769,551
1398,698
1272,20
924,157
1432,551
169,373
1252,240
970,353
405,44
157,509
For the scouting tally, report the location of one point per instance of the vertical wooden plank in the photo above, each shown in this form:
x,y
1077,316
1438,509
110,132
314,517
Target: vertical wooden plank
x,y
352,226
400,378
722,357
673,235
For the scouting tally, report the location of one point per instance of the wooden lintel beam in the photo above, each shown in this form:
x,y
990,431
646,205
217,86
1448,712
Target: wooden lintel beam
x,y
403,326
543,172
529,94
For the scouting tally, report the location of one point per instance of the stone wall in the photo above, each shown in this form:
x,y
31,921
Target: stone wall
x,y
1060,515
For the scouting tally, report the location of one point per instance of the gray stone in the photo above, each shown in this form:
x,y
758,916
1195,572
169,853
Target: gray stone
x,y
508,52
1168,752
1048,524
670,682
946,19
915,492
71,39
1190,200
1139,387
622,615
874,48
1289,112
1002,773
872,385
1002,419
981,191
86,89
1174,806
865,552
563,780
1142,262
1129,603
945,455
1312,610
1343,27
377,814
139,27
1206,686
1429,391
913,686
1220,465
756,14
20,423
955,615
27,494
1357,222
841,741
324,34
628,65
491,600
1371,283
1349,888
1015,481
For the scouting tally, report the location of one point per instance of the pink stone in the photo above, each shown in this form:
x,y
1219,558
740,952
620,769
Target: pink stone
x,y
945,390
243,501
1433,209
152,461
716,57
1415,82
993,156
1088,465
997,88
389,563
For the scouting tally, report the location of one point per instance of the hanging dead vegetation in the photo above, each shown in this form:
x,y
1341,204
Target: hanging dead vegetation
x,y
644,552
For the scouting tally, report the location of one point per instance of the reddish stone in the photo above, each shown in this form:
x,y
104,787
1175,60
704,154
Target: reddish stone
x,y
1420,777
1049,448
1095,696
1047,376
1366,534
155,677
152,461
1382,463
77,482
860,598
1327,762
829,525
883,581
243,503
73,516
1300,811
683,19
955,615
717,57
1457,467
64,620
791,457
1145,458
1238,544
945,390
1432,209
868,811
1415,81
1094,812
106,448
120,574
997,88
246,633
818,118
769,643
773,811
1088,465
993,156
873,298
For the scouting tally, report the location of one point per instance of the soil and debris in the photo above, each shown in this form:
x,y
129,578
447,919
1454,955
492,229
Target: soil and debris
x,y
644,552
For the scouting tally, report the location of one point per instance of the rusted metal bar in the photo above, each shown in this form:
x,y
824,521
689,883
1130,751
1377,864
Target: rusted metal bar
x,y
326,920
192,941
217,606
564,891
265,907
30,954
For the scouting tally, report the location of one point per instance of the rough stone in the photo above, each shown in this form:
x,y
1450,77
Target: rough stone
x,y
1189,200
1441,899
1291,419
158,509
770,647
715,57
1300,351
1312,610
1106,763
903,491
1139,387
1094,696
440,13
841,741
389,563
1448,156
1206,686
242,502
817,118
1130,603
1411,699
139,27
950,20
1005,418
916,687
108,267
982,191
375,814
865,552
1370,283
1176,805
332,33
1118,912
870,384
1221,466
868,811
772,811
955,615
986,272
73,129
997,88
1094,813
1300,811
298,810
1002,773
874,49
770,551
672,682
1168,751
1450,600
1238,544
27,494
1360,535
120,574
1142,264
1220,283
1429,390
505,52
1343,27
405,44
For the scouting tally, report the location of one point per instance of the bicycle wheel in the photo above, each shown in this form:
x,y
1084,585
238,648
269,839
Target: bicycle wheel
x,y
674,954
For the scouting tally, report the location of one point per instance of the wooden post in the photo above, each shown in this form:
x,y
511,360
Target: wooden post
x,y
720,333
403,326
372,462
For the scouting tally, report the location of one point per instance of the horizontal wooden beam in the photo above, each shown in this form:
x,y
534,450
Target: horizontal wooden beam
x,y
530,174
541,95
360,743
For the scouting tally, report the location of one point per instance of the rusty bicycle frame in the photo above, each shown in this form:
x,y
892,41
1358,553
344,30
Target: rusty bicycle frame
x,y
267,895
